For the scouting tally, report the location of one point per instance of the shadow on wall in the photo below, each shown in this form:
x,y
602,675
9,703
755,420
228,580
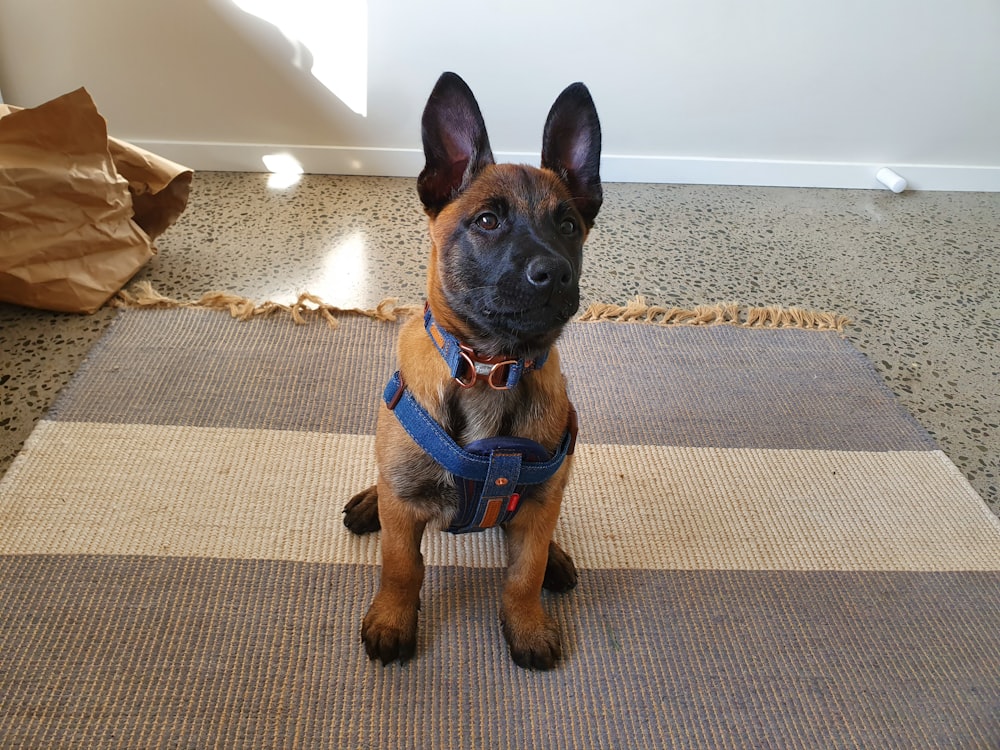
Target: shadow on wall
x,y
329,39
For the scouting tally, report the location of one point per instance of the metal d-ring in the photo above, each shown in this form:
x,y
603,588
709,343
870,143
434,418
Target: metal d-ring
x,y
485,370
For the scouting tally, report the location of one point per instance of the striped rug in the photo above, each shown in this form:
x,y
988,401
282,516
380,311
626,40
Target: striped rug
x,y
771,554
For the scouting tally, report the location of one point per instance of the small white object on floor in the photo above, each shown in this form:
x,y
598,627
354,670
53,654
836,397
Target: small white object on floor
x,y
895,182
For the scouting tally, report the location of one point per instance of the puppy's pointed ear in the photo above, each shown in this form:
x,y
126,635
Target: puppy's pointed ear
x,y
456,147
571,147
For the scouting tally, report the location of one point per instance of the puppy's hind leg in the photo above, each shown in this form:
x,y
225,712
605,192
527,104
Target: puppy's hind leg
x,y
560,572
361,512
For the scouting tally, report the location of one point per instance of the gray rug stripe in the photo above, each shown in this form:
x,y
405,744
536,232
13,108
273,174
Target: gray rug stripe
x,y
725,387
720,387
262,373
180,652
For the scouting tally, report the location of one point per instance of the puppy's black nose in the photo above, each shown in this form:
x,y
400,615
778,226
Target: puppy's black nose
x,y
549,272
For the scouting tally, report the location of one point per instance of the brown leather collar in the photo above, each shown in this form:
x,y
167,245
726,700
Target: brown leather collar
x,y
468,367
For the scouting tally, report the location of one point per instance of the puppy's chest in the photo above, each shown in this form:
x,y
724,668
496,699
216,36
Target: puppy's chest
x,y
470,415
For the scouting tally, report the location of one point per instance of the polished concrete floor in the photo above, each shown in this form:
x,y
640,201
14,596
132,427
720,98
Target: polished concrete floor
x,y
918,273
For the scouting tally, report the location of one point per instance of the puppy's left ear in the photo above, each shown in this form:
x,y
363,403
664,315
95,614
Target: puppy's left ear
x,y
571,147
456,147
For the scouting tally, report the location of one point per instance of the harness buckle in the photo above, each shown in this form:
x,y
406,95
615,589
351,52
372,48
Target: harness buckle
x,y
400,390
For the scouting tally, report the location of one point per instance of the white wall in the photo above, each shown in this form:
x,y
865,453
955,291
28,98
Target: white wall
x,y
783,92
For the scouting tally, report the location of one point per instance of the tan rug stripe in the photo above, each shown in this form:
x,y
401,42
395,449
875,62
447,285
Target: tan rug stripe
x,y
257,494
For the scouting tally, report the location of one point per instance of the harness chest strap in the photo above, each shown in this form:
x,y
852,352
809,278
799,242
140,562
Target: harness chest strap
x,y
489,474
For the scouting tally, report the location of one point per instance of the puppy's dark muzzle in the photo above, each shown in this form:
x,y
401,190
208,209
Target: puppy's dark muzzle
x,y
549,274
548,290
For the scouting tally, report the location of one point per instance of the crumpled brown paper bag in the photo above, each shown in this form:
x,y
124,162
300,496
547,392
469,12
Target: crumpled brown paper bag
x,y
78,210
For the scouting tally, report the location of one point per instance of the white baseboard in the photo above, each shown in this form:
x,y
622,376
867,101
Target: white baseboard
x,y
708,171
389,162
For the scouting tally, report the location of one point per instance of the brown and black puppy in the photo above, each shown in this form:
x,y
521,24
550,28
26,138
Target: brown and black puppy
x,y
503,280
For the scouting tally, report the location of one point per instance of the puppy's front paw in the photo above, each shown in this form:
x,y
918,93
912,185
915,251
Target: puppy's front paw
x,y
534,645
389,633
361,512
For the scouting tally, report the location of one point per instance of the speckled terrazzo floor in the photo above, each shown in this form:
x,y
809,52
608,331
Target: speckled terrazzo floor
x,y
919,273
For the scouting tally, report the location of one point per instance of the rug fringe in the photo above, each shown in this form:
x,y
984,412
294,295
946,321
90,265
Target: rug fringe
x,y
143,295
637,310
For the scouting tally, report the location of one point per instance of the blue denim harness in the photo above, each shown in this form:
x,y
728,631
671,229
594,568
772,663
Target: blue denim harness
x,y
490,474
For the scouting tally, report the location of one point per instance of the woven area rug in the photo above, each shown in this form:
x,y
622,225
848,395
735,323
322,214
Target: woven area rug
x,y
771,554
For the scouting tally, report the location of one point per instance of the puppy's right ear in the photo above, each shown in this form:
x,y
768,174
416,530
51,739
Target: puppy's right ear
x,y
456,147
571,147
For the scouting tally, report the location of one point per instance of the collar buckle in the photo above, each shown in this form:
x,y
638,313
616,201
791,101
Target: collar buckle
x,y
468,368
471,369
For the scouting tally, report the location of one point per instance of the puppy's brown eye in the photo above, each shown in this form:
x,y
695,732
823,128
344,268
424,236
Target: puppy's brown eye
x,y
567,226
487,221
